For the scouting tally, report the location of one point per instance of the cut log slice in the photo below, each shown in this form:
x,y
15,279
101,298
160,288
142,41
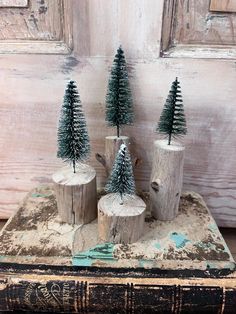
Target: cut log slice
x,y
76,194
166,179
120,223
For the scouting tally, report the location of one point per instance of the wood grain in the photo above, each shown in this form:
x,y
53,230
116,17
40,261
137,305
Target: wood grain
x,y
120,221
42,27
112,146
166,179
223,5
13,3
32,88
76,194
191,30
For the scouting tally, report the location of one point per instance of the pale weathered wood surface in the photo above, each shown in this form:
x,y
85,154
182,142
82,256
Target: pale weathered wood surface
x,y
191,29
36,234
195,24
112,146
40,21
32,88
40,27
223,5
121,221
76,194
13,3
166,179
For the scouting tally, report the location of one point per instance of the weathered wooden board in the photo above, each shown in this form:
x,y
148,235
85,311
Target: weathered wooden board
x,y
32,88
13,3
193,29
223,5
35,234
195,24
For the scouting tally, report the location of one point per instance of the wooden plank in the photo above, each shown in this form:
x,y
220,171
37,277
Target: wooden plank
x,y
223,5
13,3
190,30
43,28
191,241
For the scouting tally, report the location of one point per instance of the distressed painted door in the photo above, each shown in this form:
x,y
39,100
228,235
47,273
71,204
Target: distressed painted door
x,y
44,43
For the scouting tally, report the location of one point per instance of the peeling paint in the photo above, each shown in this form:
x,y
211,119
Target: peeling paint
x,y
179,239
39,195
158,246
213,227
99,252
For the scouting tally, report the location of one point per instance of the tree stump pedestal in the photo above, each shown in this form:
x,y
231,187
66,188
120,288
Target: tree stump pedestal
x,y
112,146
76,194
166,179
120,223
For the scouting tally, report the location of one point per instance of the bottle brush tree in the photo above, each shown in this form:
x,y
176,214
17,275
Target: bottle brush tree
x,y
121,180
119,109
73,139
172,121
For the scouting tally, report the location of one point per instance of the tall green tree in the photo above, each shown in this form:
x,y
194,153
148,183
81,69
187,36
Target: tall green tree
x,y
119,109
73,139
172,120
121,179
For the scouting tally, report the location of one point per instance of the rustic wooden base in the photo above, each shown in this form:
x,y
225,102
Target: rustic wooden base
x,y
120,223
76,194
190,243
112,145
166,179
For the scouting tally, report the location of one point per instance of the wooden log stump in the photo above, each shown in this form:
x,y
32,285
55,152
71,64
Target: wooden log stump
x,y
76,194
112,145
120,223
166,179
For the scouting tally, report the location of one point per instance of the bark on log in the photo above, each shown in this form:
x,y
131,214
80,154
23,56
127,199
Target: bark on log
x,y
112,145
76,194
166,179
120,223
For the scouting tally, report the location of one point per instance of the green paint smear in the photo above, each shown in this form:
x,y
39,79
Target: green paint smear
x,y
158,246
213,227
179,239
39,195
99,252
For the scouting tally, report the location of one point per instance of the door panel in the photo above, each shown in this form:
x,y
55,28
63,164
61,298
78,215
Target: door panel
x,y
36,27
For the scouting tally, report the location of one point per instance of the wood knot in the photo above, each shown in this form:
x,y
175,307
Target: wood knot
x,y
155,186
100,158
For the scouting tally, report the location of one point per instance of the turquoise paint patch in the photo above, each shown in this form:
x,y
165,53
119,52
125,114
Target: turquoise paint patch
x,y
158,246
39,195
213,227
179,239
145,263
99,252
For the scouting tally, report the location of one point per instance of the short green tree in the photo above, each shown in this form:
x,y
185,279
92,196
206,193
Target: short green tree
x,y
73,139
172,120
119,109
121,180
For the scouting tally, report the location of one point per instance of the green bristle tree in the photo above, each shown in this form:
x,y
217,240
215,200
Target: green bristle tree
x,y
172,120
121,179
119,109
73,139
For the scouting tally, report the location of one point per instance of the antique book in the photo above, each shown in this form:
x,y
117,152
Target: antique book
x,y
179,266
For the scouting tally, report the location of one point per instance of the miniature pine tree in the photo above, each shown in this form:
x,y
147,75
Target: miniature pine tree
x,y
121,179
73,139
119,109
172,120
